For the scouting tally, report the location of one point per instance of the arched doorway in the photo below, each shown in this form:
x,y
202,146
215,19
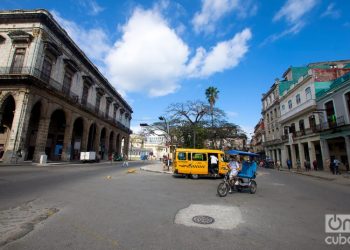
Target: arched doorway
x,y
111,145
77,135
117,142
123,151
33,130
7,111
92,137
54,143
102,148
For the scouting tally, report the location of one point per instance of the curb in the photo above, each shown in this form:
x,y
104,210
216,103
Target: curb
x,y
155,171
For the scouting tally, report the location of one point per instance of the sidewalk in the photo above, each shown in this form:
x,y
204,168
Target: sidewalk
x,y
157,167
52,163
343,178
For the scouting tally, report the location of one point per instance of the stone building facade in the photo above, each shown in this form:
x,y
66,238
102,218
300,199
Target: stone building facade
x,y
271,114
312,115
53,99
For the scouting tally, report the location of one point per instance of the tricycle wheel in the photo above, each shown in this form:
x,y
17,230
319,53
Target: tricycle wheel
x,y
253,187
223,189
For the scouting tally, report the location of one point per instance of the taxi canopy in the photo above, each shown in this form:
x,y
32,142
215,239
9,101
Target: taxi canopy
x,y
238,152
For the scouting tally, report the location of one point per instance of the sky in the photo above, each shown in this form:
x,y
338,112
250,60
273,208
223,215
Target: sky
x,y
159,52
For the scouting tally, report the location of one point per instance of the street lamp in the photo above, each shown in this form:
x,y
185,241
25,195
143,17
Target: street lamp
x,y
168,138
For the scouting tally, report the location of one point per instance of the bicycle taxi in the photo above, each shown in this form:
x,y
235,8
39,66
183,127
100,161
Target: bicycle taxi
x,y
245,178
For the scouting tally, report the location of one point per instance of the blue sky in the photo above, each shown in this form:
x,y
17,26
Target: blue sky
x,y
160,52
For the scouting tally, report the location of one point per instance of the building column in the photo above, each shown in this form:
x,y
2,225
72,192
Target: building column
x,y
67,140
325,153
97,140
85,136
301,154
284,155
347,146
294,158
312,152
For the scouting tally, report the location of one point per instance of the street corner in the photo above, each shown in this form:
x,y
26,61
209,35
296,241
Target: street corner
x,y
207,216
18,221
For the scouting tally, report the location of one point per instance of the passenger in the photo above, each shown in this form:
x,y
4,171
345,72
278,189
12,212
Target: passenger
x,y
234,168
213,164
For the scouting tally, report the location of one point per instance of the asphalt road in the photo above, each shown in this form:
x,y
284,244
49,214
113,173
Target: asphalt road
x,y
104,207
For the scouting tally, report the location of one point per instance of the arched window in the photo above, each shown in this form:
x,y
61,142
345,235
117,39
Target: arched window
x,y
308,93
290,105
297,98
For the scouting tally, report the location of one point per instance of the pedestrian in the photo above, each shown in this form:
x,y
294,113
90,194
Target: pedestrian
x,y
336,164
329,163
289,164
298,164
125,161
213,164
278,165
307,165
347,167
314,163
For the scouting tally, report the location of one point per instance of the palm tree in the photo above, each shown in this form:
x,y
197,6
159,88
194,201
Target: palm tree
x,y
212,95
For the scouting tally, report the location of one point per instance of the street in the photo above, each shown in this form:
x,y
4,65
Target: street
x,y
102,206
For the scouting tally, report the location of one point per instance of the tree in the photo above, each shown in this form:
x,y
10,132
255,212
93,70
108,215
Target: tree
x,y
212,95
189,114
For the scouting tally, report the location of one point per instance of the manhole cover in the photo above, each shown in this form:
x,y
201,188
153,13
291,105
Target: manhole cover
x,y
203,219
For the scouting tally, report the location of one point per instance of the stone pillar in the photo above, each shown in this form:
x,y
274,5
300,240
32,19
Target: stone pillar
x,y
67,140
301,154
284,156
312,152
97,139
41,138
294,158
85,136
325,153
347,146
114,148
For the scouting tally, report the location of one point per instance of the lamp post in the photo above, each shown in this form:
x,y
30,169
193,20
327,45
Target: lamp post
x,y
168,139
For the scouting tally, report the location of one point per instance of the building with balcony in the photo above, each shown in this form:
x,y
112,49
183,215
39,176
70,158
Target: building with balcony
x,y
271,115
258,139
53,99
334,107
300,117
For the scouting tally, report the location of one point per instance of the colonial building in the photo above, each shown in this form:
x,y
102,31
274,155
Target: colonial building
x,y
299,114
334,106
53,99
271,114
258,139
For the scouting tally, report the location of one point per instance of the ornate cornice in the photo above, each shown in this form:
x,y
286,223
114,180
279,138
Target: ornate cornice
x,y
71,64
52,48
20,36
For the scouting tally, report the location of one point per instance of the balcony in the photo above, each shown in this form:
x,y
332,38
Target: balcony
x,y
301,108
44,81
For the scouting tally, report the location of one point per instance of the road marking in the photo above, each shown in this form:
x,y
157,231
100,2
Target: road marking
x,y
226,217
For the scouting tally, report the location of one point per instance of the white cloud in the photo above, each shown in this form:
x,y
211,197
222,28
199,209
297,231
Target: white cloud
x,y
91,6
331,12
224,55
149,56
211,12
92,41
293,12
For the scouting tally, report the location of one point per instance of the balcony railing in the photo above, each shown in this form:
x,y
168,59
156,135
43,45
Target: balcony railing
x,y
47,82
